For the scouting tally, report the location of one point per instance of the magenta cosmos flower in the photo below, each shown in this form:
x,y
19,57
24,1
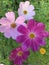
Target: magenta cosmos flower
x,y
8,24
33,36
18,56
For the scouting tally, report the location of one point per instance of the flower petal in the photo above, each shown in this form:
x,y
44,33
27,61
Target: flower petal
x,y
2,29
19,10
18,61
21,4
24,47
7,33
21,38
40,40
31,23
41,26
20,20
10,16
31,7
32,13
4,21
26,44
14,33
34,46
39,29
27,53
22,29
45,33
13,54
27,3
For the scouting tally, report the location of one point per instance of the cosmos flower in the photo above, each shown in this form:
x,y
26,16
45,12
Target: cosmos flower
x,y
42,51
8,24
1,64
33,36
18,56
26,10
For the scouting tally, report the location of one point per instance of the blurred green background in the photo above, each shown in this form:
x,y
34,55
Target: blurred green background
x,y
6,45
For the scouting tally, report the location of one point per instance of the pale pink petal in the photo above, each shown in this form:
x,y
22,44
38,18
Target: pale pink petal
x,y
32,13
28,17
14,33
10,16
27,3
20,10
7,33
31,7
20,20
21,4
2,29
4,21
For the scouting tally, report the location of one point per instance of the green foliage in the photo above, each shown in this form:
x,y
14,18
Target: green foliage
x,y
6,45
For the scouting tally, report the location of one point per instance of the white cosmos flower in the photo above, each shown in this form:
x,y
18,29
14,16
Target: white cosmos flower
x,y
26,10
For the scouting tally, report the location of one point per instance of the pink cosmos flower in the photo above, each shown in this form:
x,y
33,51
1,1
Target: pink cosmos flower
x,y
33,36
26,9
8,25
18,56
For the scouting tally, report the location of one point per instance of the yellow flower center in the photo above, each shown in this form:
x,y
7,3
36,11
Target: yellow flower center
x,y
25,12
42,51
13,25
20,53
31,35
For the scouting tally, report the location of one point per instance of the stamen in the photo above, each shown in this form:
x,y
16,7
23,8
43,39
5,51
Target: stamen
x,y
42,51
25,12
13,25
20,53
32,35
